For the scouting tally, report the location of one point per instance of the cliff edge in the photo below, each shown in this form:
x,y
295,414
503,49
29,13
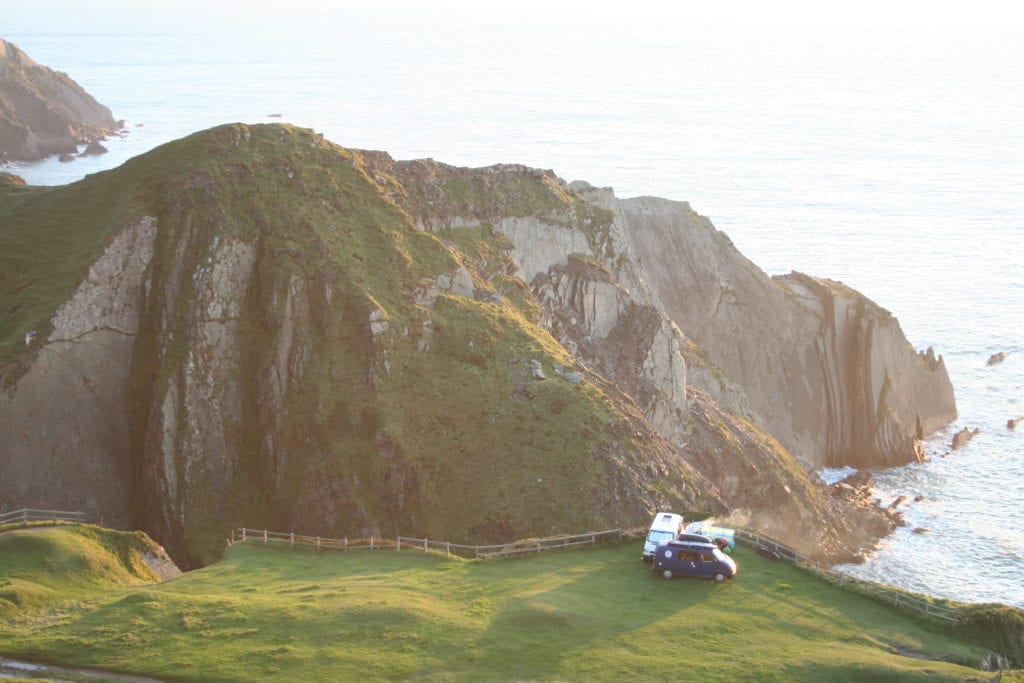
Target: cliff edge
x,y
43,112
824,369
253,326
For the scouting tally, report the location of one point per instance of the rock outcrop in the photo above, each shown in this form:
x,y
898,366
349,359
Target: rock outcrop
x,y
43,112
961,438
996,358
822,368
65,425
295,335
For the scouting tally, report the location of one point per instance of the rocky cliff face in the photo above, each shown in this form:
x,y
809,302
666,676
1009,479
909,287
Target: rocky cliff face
x,y
44,112
65,424
276,331
794,374
822,368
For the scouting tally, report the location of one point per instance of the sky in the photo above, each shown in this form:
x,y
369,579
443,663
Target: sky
x,y
944,14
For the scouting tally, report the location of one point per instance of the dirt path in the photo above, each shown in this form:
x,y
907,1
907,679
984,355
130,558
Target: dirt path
x,y
13,668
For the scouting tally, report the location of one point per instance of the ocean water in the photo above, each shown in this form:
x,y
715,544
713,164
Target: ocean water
x,y
891,159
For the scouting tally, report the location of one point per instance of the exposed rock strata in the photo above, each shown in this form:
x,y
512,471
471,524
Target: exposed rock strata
x,y
307,337
44,112
65,425
825,370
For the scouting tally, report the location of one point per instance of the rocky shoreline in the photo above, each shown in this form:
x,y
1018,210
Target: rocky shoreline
x,y
45,113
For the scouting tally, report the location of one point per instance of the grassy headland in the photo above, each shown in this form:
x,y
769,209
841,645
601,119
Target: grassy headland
x,y
266,613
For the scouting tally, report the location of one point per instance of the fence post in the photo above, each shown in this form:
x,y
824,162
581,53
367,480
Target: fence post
x,y
448,549
291,541
424,544
593,539
264,535
371,542
243,534
398,545
318,543
345,542
24,515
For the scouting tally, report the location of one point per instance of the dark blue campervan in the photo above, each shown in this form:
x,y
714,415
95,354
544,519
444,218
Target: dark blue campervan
x,y
686,558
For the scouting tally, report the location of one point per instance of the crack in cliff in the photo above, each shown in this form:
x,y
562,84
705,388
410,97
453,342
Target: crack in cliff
x,y
77,339
232,319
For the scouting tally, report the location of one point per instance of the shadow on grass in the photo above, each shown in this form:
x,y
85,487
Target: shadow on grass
x,y
600,600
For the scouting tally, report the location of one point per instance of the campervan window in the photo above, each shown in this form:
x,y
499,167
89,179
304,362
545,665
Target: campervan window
x,y
659,536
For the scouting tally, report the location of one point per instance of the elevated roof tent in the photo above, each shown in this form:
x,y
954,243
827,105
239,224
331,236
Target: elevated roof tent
x,y
665,527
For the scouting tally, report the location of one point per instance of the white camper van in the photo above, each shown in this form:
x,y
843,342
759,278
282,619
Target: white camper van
x,y
665,527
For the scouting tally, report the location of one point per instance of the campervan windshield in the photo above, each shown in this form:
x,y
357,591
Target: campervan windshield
x,y
657,537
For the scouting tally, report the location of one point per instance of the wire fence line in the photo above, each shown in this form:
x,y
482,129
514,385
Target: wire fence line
x,y
27,515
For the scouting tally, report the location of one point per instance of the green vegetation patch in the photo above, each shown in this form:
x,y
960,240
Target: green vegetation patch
x,y
310,201
267,613
499,445
43,566
48,239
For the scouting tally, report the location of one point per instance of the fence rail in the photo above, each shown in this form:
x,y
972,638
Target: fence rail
x,y
319,542
26,515
881,591
529,546
524,547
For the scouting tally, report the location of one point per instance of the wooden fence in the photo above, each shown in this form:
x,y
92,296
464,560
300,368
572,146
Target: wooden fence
x,y
881,591
26,515
318,542
483,552
524,547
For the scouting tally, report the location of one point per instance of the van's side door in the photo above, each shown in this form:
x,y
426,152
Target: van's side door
x,y
688,561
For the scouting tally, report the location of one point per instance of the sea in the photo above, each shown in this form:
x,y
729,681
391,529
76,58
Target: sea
x,y
887,156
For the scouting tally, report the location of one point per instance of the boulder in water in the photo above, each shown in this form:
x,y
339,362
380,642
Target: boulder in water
x,y
94,148
996,358
963,436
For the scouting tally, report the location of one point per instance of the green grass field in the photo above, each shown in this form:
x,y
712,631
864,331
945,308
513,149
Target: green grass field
x,y
274,613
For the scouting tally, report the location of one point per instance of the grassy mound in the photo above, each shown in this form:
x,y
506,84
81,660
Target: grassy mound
x,y
267,614
43,566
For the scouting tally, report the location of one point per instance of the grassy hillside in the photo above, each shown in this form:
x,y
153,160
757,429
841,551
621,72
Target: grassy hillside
x,y
44,566
333,394
279,614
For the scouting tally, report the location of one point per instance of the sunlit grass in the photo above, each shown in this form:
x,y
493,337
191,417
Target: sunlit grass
x,y
267,613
